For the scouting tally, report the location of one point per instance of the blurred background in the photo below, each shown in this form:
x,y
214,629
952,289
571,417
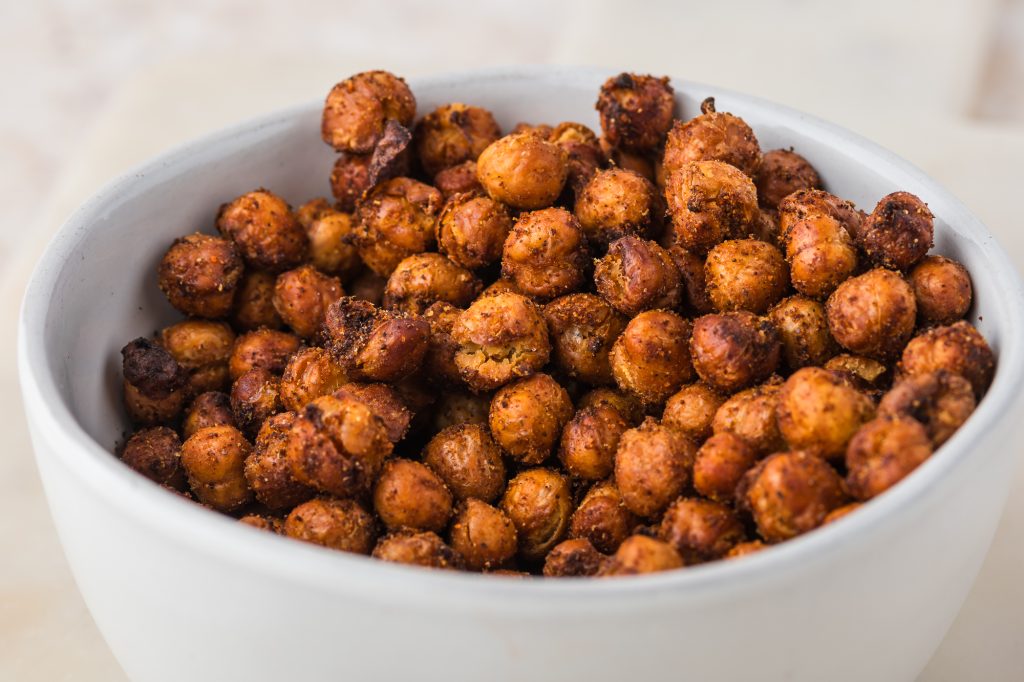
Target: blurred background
x,y
93,87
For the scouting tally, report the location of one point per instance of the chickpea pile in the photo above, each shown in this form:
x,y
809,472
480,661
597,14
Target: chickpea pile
x,y
548,352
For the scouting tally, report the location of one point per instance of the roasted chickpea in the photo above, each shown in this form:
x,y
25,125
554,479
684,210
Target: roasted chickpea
x,y
899,232
713,136
335,524
527,417
301,297
803,331
700,530
212,408
618,202
821,254
457,407
745,548
350,178
424,549
372,344
199,275
358,108
423,279
790,493
262,349
691,273
539,503
309,374
692,409
385,401
202,348
883,452
255,396
751,415
267,469
745,274
472,229
523,170
330,244
254,302
631,409
368,286
155,385
452,134
409,495
214,460
942,289
651,358
640,554
589,441
573,559
156,454
439,363
818,411
840,512
865,373
637,275
602,518
872,314
783,172
458,179
545,254
806,203
942,401
958,348
636,111
484,535
313,210
271,524
732,351
582,328
263,227
581,146
643,163
468,460
721,462
653,464
396,220
709,202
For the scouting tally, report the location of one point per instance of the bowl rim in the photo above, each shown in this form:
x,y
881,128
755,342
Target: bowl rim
x,y
213,533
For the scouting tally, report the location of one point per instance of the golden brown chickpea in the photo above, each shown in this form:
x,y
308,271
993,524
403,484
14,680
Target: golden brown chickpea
x,y
373,344
574,558
602,518
539,502
631,409
640,554
255,396
872,314
155,385
958,348
212,408
750,414
395,221
790,493
423,279
458,407
452,134
330,244
527,417
581,146
819,411
618,202
254,302
864,373
821,254
214,460
582,328
700,530
745,548
803,331
732,351
840,512
883,452
709,202
651,358
335,524
301,297
545,254
350,178
426,549
468,460
942,401
263,227
721,462
262,349
806,203
636,111
313,210
653,464
899,232
309,374
783,172
202,348
713,136
589,441
483,535
156,454
942,289
199,275
523,170
692,409
691,273
644,163
501,337
472,229
357,110
637,275
267,469
745,274
439,363
458,179
272,524
409,495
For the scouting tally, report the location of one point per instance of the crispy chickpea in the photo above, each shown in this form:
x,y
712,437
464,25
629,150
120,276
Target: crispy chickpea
x,y
424,549
357,110
732,351
643,163
651,358
821,254
746,548
640,554
500,337
368,286
483,535
395,221
335,524
581,146
636,111
350,178
458,179
574,558
263,227
330,244
254,302
409,495
156,454
883,452
214,460
255,396
872,314
783,172
199,275
751,415
545,254
700,530
840,512
312,211
602,518
452,134
423,279
631,409
527,417
653,464
212,408
262,349
468,460
942,289
899,232
865,373
589,441
745,274
523,170
582,329
721,462
942,401
385,401
713,136
439,363
271,524
637,275
155,385
202,348
457,407
692,409
309,374
790,493
818,411
806,203
615,203
472,229
691,273
373,344
539,503
301,297
709,202
803,331
958,348
267,469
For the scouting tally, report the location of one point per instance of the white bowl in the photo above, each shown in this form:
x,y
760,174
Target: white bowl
x,y
183,593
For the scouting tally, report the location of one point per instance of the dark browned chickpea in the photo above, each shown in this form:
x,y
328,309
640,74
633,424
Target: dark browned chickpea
x,y
267,470
472,229
484,535
745,274
821,254
458,407
453,133
700,530
637,275
602,518
653,464
865,373
423,279
883,452
214,460
709,202
872,314
155,385
790,493
840,512
651,358
255,396
254,302
458,179
810,202
574,558
330,244
640,554
409,495
732,351
468,460
396,220
589,441
373,344
357,110
618,202
803,331
746,548
691,273
199,275
202,348
263,227
750,414
156,454
692,409
636,111
942,401
582,328
584,152
545,254
301,297
262,349
368,286
309,374
350,177
527,417
523,170
721,462
713,136
335,524
767,229
958,348
439,363
426,550
819,411
783,172
501,337
212,408
272,524
631,409
942,289
899,232
539,502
